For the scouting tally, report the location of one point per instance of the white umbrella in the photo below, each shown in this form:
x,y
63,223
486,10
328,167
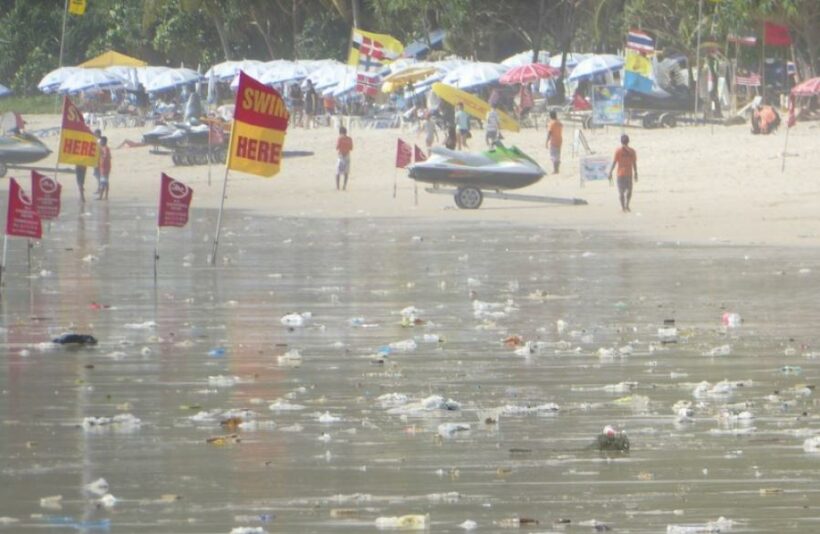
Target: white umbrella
x,y
171,79
331,75
90,80
254,70
227,70
316,64
474,75
128,75
447,65
344,86
525,58
146,74
4,90
596,65
52,81
285,71
572,60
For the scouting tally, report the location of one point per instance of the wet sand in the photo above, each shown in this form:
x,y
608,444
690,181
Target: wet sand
x,y
207,343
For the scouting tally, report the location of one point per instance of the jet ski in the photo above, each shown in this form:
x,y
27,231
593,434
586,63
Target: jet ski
x,y
188,143
498,169
16,146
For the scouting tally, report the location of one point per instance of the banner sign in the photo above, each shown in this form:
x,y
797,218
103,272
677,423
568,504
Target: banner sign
x,y
21,219
594,168
259,126
78,146
174,202
45,195
607,104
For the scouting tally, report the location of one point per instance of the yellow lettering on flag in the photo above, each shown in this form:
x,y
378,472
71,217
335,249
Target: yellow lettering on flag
x,y
259,126
371,49
76,7
78,146
637,63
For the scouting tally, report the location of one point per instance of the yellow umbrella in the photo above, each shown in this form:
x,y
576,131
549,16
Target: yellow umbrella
x,y
411,74
112,59
473,105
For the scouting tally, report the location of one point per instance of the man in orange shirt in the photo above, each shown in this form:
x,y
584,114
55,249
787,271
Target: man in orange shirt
x,y
627,160
344,145
554,138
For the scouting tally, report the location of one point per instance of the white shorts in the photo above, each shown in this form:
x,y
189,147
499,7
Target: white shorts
x,y
555,154
343,165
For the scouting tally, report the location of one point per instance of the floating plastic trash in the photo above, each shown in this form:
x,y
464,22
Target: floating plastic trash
x,y
296,320
404,522
99,487
448,430
812,444
249,530
217,352
731,320
712,527
119,423
327,417
291,358
54,502
723,350
611,439
223,381
468,525
280,405
406,345
517,522
77,340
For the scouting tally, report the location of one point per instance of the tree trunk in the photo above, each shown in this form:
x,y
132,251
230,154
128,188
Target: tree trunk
x,y
539,33
216,15
355,8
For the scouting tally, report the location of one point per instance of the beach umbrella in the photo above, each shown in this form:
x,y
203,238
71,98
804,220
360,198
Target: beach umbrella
x,y
4,91
528,74
410,74
227,70
472,75
571,63
525,58
810,87
146,74
599,64
90,80
285,71
331,74
128,75
52,81
110,59
254,70
473,105
171,79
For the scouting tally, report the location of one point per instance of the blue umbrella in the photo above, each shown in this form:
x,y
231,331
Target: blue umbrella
x,y
4,91
596,65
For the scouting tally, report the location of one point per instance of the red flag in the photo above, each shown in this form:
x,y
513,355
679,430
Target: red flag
x,y
792,120
776,34
419,155
45,195
174,202
21,220
404,154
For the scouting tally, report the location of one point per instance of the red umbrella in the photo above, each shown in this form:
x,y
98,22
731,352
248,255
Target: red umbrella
x,y
528,74
810,87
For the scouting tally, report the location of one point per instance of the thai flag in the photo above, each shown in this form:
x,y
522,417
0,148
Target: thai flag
x,y
640,41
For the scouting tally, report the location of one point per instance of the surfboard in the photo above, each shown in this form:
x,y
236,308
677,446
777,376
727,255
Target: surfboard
x,y
473,105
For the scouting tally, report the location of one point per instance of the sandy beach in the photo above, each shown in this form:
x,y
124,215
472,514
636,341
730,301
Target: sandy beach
x,y
697,184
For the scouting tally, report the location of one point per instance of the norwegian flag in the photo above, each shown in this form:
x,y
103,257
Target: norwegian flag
x,y
368,84
640,41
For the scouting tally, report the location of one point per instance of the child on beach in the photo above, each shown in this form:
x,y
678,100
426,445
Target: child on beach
x,y
463,125
627,161
344,145
429,129
105,168
555,132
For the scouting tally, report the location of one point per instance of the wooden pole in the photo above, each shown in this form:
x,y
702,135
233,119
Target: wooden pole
x,y
785,145
697,59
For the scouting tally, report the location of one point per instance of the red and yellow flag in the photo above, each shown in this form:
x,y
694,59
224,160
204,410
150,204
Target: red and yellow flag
x,y
78,145
259,126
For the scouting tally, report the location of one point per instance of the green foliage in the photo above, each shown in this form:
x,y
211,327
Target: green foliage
x,y
28,105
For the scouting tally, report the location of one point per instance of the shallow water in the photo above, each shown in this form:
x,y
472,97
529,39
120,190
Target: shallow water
x,y
159,346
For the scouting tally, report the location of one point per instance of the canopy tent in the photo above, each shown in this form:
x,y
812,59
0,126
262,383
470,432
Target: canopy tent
x,y
112,59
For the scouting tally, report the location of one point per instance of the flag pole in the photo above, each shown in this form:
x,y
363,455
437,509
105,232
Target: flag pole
x,y
3,263
219,217
697,61
156,256
785,145
210,126
395,181
28,253
62,35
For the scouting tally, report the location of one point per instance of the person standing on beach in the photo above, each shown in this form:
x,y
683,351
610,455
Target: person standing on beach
x,y
493,124
96,171
463,125
627,161
105,168
311,104
430,131
555,132
344,145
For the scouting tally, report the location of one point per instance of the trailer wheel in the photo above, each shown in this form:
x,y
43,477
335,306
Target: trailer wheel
x,y
587,122
175,159
468,198
668,120
3,169
648,121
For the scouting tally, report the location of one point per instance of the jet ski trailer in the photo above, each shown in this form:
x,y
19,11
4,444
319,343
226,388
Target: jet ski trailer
x,y
475,176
